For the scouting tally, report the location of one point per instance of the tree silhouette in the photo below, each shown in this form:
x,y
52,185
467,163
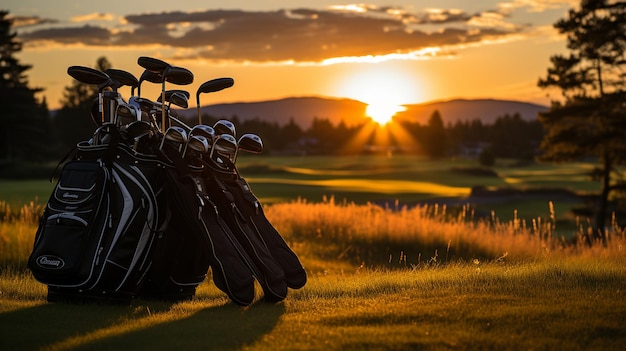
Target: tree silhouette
x,y
434,139
591,119
23,120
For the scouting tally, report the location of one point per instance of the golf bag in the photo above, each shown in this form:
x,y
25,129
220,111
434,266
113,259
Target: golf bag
x,y
196,238
267,270
249,210
97,233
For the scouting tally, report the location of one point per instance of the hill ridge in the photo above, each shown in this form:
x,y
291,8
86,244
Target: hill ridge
x,y
304,109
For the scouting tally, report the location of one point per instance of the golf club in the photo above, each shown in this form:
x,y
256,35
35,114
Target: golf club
x,y
224,127
176,97
168,73
250,143
92,76
197,144
175,135
150,77
224,145
179,99
138,132
169,93
206,131
123,78
211,86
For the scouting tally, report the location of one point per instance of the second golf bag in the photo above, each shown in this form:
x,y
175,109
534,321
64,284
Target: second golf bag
x,y
263,265
196,238
98,230
250,211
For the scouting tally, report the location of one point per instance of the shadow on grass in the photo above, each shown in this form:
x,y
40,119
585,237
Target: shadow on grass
x,y
148,326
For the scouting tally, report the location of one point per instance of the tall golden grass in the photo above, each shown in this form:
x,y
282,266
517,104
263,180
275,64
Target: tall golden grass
x,y
330,235
372,235
17,232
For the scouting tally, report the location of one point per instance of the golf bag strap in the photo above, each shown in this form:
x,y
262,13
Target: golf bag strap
x,y
72,152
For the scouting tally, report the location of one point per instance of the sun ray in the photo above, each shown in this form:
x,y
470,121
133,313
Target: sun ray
x,y
361,139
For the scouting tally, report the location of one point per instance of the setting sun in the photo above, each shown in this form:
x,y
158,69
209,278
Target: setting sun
x,y
382,113
383,86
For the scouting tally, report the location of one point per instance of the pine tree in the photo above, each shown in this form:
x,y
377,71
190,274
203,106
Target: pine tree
x,y
24,122
591,119
434,140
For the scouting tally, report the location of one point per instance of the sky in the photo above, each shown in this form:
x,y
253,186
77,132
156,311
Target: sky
x,y
384,53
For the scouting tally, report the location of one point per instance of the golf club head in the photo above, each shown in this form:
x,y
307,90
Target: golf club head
x,y
196,144
169,93
224,145
175,135
146,106
251,143
203,130
151,77
178,75
176,97
122,78
214,85
209,87
153,64
224,127
127,113
89,75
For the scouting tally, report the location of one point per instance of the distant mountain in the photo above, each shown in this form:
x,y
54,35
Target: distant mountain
x,y
304,109
487,110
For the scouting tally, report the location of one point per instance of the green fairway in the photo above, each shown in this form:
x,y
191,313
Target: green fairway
x,y
381,179
575,305
20,192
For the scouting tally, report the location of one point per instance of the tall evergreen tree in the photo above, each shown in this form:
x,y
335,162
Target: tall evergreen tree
x,y
434,140
24,122
591,118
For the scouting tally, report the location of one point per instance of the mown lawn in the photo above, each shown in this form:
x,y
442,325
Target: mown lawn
x,y
550,305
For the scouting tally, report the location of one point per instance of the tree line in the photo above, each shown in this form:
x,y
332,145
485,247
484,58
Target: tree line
x,y
510,136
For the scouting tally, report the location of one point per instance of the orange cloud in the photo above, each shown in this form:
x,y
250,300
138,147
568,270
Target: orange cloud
x,y
296,35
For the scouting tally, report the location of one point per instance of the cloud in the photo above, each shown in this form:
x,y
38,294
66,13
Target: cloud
x,y
86,35
296,35
93,17
27,21
536,5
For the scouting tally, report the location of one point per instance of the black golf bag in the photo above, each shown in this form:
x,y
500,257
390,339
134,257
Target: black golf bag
x,y
260,252
196,237
97,233
248,209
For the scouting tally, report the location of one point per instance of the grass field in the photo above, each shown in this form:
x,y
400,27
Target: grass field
x,y
547,305
380,179
394,277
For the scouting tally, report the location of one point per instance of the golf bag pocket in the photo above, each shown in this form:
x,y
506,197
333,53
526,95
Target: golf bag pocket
x,y
64,248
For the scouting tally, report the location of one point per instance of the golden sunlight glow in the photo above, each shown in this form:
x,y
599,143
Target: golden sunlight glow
x,y
384,87
382,113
